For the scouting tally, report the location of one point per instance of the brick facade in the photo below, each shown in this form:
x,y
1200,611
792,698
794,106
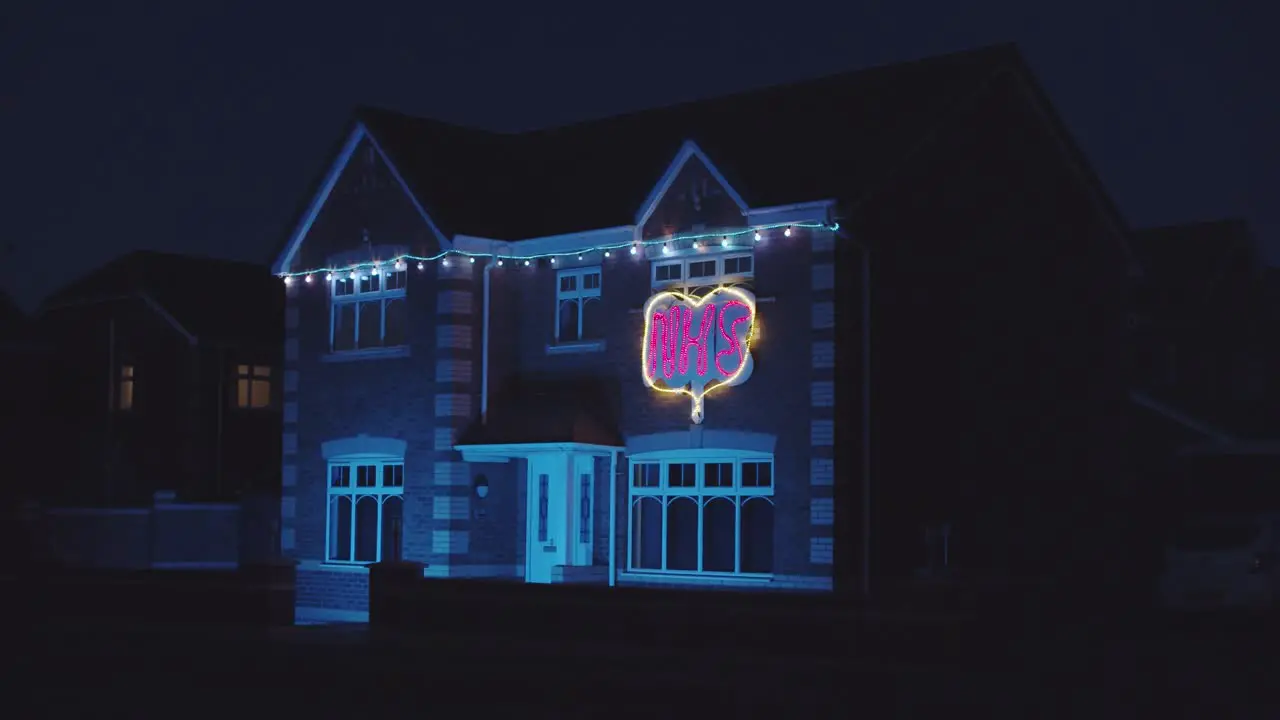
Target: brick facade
x,y
954,425
428,393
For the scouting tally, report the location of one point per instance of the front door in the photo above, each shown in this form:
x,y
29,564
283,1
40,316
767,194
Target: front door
x,y
547,534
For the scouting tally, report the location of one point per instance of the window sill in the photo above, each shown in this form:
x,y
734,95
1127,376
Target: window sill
x,y
573,348
694,578
358,568
400,351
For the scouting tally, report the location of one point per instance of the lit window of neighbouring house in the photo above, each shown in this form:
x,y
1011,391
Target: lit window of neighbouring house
x,y
703,270
253,386
706,513
365,519
124,391
368,310
578,309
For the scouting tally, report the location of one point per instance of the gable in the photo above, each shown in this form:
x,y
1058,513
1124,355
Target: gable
x,y
690,195
361,202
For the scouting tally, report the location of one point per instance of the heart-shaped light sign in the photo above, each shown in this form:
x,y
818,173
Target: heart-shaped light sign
x,y
693,345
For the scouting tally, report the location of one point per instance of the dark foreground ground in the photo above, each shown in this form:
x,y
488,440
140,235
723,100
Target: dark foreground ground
x,y
166,645
86,668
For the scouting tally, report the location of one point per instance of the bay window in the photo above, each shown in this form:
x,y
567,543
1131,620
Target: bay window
x,y
703,512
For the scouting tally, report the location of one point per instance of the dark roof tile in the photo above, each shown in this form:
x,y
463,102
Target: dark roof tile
x,y
219,301
830,137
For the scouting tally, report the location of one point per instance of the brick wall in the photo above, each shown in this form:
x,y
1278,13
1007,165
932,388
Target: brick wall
x,y
389,395
793,378
342,590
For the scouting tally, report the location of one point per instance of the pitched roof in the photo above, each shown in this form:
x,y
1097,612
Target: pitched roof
x,y
219,301
832,136
11,314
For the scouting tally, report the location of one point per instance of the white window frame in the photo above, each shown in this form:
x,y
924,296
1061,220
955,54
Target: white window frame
x,y
579,295
719,277
247,377
356,297
379,492
701,494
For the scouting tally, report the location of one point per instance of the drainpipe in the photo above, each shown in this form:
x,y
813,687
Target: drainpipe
x,y
222,401
484,349
613,517
113,378
866,421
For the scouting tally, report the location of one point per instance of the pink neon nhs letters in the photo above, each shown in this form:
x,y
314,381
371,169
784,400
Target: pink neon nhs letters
x,y
692,344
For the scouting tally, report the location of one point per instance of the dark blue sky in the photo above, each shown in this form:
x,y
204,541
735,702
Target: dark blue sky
x,y
197,128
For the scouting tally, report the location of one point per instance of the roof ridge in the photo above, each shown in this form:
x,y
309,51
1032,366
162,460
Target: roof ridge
x,y
794,85
364,110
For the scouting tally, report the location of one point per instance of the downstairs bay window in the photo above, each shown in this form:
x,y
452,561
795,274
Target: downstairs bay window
x,y
365,517
702,512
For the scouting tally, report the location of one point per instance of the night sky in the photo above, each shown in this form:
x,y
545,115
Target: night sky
x,y
198,127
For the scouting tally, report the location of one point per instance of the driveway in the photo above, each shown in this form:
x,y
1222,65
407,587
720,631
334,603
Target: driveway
x,y
151,670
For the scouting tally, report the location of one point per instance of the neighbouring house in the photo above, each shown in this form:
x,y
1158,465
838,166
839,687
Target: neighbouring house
x,y
166,388
1204,321
760,341
24,420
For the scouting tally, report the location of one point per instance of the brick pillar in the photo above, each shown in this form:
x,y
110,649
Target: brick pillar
x,y
457,375
392,589
287,533
822,403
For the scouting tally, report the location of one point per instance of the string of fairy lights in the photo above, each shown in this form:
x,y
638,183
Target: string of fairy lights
x,y
669,244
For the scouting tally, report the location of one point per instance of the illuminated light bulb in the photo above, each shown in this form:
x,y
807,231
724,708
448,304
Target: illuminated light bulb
x,y
787,232
307,279
725,241
444,262
696,245
354,274
757,236
328,277
579,257
666,249
399,265
499,263
420,266
288,279
473,260
633,250
606,253
553,261
526,263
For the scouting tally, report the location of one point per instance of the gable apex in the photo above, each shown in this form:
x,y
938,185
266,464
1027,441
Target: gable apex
x,y
358,133
689,149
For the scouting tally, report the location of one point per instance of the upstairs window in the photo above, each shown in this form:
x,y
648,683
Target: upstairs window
x,y
703,270
253,386
367,310
578,310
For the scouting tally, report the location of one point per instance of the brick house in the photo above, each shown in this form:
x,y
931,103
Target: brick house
x,y
163,387
1204,320
757,341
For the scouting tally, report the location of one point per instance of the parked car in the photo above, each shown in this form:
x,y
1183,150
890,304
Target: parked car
x,y
1223,562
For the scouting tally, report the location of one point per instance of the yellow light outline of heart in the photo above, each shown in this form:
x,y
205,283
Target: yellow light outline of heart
x,y
696,302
